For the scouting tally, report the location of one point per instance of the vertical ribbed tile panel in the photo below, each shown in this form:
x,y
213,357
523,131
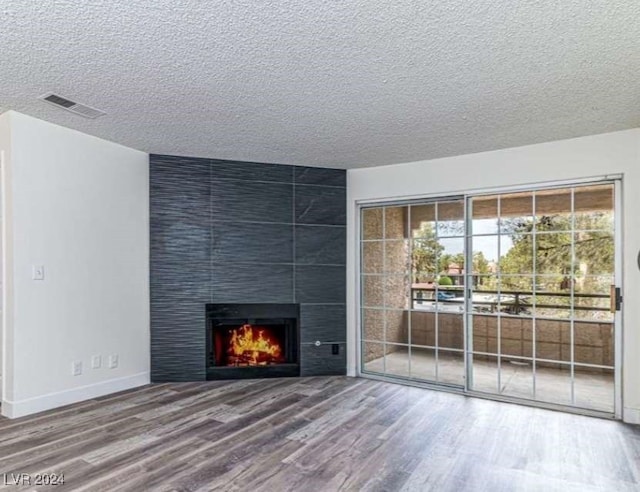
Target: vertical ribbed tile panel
x,y
251,242
252,171
225,231
253,283
321,245
180,266
320,284
251,201
320,361
323,323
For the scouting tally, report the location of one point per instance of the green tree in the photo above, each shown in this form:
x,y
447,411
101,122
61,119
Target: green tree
x,y
480,263
448,259
553,251
425,253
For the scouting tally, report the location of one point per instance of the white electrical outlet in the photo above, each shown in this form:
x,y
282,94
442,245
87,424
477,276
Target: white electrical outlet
x,y
96,362
76,368
113,361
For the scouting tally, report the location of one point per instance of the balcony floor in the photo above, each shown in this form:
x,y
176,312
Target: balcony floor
x,y
593,391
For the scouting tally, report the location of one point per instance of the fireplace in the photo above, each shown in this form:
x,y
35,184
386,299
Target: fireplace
x,y
252,340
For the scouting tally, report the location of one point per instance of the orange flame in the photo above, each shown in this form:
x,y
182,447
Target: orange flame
x,y
252,347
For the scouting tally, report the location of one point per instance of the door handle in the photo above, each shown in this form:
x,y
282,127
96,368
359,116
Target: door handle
x,y
615,298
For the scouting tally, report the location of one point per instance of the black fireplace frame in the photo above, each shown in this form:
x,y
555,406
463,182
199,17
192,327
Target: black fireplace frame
x,y
254,314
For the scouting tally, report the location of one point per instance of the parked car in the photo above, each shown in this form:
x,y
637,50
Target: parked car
x,y
443,295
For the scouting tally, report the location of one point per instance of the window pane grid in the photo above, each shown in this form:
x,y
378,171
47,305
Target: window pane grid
x,y
572,287
572,307
534,299
558,291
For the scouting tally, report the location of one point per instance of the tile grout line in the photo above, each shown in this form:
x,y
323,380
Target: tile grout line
x,y
315,185
210,245
278,223
293,222
256,262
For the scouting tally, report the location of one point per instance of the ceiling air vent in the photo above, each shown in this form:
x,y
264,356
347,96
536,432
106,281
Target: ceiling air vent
x,y
74,107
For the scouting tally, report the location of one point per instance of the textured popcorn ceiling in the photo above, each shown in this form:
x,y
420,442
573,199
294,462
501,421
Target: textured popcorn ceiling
x,y
320,83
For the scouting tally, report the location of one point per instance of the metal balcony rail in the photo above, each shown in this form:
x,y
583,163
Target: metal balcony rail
x,y
511,301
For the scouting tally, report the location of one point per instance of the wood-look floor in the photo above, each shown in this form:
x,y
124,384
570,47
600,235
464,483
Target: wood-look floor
x,y
311,434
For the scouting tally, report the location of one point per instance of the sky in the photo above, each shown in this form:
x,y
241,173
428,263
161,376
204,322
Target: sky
x,y
487,244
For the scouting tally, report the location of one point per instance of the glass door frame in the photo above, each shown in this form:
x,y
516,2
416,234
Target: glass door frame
x,y
456,387
615,180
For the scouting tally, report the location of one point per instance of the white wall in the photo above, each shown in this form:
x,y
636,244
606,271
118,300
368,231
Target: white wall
x,y
79,206
607,154
5,155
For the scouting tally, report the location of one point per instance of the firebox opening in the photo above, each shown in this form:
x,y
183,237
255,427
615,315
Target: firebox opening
x,y
252,340
249,345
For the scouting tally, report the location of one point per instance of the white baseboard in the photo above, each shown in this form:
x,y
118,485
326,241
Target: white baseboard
x,y
631,415
15,409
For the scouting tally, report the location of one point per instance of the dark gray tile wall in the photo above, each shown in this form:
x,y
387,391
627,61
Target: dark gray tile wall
x,y
321,361
180,278
250,241
320,245
324,205
252,282
251,201
224,231
322,284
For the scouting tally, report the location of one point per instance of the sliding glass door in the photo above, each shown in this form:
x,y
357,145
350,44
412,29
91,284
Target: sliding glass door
x,y
541,322
506,295
413,303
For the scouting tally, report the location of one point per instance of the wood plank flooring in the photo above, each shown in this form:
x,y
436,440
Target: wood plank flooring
x,y
314,434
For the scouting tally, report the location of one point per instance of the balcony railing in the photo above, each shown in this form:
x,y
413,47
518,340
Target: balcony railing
x,y
514,302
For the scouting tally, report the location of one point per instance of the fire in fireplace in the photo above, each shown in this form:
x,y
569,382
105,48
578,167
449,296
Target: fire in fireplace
x,y
252,340
249,345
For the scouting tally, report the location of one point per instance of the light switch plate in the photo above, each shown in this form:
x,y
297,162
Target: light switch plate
x,y
113,361
76,368
96,362
37,272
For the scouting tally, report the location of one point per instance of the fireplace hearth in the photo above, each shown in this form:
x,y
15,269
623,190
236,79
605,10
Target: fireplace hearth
x,y
252,340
